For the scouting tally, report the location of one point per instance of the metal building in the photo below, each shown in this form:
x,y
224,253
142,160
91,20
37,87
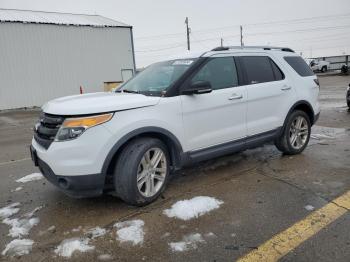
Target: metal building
x,y
45,55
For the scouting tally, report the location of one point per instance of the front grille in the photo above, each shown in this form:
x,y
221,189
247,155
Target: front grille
x,y
47,128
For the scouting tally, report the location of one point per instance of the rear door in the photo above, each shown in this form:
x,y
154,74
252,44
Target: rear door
x,y
269,93
217,117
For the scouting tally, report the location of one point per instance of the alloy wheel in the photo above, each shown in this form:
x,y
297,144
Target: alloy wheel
x,y
151,172
298,132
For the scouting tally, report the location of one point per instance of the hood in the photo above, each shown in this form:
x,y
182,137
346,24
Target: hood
x,y
97,103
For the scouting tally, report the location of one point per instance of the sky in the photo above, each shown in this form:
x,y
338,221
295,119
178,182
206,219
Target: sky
x,y
313,28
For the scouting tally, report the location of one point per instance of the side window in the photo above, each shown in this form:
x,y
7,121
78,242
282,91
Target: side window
x,y
220,72
277,71
258,69
299,65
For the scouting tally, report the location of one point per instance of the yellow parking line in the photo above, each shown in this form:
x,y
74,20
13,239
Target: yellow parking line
x,y
284,242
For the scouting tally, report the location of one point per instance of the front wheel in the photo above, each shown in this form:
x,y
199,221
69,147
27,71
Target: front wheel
x,y
142,171
296,134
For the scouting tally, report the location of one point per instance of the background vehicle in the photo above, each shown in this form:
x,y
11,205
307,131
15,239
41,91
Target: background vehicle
x,y
319,65
173,114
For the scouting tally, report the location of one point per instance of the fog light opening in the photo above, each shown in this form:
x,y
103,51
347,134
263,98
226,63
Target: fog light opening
x,y
63,183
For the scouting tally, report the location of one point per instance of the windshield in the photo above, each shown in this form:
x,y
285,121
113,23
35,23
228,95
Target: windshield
x,y
157,78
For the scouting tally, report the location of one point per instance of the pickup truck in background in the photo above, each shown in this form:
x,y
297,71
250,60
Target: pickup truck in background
x,y
319,65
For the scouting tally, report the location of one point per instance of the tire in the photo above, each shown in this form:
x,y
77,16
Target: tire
x,y
324,69
285,143
134,166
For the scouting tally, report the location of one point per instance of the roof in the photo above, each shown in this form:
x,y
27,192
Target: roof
x,y
250,49
41,17
224,48
230,50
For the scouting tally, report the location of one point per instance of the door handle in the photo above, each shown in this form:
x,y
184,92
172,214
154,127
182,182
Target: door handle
x,y
285,88
235,96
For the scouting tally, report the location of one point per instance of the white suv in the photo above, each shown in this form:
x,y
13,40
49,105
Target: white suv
x,y
172,114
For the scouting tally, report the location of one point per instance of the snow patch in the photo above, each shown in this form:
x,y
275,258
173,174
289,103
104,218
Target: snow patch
x,y
20,227
9,210
188,242
79,228
193,208
309,207
320,136
130,231
69,246
96,232
51,229
29,178
17,189
321,133
18,247
32,213
210,234
165,235
104,257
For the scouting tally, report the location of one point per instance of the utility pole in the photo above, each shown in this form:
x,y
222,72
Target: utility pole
x,y
222,42
188,30
241,29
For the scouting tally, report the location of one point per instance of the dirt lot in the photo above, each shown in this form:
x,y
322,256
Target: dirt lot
x,y
263,194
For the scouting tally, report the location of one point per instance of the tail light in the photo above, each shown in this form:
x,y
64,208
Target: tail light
x,y
317,82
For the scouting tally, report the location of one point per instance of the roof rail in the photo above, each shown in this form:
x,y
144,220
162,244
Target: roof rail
x,y
225,48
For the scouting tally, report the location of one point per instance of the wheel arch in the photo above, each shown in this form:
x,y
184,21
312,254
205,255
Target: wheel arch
x,y
305,106
169,139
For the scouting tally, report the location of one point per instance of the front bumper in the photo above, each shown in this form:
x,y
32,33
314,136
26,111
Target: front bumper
x,y
81,186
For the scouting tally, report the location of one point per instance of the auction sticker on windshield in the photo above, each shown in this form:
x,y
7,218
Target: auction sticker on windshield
x,y
182,62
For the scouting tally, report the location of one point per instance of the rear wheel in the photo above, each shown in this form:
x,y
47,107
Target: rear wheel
x,y
324,69
296,134
142,171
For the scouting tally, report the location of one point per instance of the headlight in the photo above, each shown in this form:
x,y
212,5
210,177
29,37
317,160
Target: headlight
x,y
74,127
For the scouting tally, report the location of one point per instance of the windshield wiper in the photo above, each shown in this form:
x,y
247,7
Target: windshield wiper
x,y
131,91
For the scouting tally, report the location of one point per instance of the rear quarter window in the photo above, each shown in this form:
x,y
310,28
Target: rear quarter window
x,y
299,65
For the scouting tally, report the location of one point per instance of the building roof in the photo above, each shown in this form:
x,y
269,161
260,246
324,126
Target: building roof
x,y
41,17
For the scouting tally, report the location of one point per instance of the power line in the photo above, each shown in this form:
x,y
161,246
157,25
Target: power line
x,y
311,19
160,49
178,44
302,30
338,16
321,38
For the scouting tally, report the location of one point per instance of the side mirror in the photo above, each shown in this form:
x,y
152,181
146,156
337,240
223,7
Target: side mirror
x,y
197,88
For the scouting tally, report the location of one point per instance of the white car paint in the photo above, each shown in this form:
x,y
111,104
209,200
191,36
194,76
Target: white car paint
x,y
97,103
197,121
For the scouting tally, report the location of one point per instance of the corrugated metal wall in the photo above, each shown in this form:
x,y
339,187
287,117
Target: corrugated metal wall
x,y
40,62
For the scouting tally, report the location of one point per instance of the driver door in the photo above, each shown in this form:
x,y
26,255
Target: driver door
x,y
219,116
